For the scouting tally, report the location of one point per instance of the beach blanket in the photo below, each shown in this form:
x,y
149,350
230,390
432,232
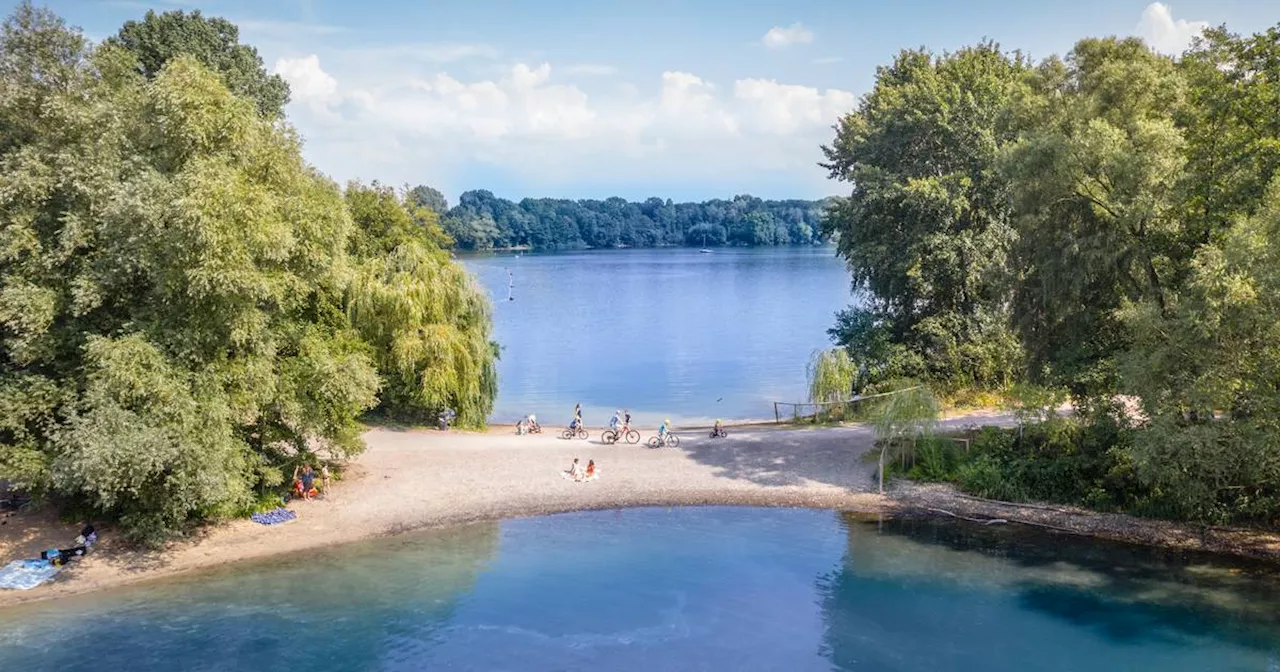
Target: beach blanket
x,y
274,517
26,574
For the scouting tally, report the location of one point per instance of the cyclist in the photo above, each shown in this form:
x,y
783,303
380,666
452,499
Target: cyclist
x,y
626,420
719,428
613,422
663,429
577,417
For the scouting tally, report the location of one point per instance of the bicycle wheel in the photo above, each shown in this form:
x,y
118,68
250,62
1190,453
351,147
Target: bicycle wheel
x,y
566,434
633,436
673,441
608,437
582,434
654,443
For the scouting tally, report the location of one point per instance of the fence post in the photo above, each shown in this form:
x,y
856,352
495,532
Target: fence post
x,y
777,418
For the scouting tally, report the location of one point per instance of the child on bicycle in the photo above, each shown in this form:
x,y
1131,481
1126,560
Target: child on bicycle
x,y
663,429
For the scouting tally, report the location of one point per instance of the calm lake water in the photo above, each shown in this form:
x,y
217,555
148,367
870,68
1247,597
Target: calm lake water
x,y
679,589
666,333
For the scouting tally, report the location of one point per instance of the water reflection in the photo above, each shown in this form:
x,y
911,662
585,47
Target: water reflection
x,y
1005,598
364,605
681,588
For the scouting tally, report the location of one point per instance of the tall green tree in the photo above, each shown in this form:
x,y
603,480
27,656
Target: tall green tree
x,y
927,228
1098,188
172,332
423,313
214,42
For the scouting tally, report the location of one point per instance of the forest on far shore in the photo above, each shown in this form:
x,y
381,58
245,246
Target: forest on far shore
x,y
482,221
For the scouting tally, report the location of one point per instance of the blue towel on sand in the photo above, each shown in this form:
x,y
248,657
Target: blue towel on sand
x,y
26,574
274,517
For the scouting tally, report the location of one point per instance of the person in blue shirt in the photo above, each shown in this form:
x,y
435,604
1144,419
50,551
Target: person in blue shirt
x,y
613,422
662,430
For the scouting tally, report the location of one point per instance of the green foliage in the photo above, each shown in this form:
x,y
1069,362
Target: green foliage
x,y
901,418
424,315
831,374
1123,210
186,307
482,221
214,42
927,228
1034,403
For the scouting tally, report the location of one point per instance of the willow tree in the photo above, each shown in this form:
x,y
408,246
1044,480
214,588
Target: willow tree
x,y
170,272
423,313
903,418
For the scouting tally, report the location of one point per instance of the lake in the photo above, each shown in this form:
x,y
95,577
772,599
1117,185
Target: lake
x,y
667,333
717,588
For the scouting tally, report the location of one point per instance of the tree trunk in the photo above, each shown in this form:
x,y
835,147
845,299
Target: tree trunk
x,y
882,450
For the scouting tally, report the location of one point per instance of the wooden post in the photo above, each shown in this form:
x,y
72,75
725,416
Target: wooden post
x,y
777,418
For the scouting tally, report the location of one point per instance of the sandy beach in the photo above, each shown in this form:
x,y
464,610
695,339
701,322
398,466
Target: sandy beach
x,y
414,479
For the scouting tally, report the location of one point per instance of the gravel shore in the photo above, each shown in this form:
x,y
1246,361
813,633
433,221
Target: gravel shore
x,y
413,479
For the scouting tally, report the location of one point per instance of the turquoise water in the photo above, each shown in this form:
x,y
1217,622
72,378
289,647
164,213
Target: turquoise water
x,y
666,333
679,589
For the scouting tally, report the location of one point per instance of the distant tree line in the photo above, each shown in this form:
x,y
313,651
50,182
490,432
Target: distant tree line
x,y
482,221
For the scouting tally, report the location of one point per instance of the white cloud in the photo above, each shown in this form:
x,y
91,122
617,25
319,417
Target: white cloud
x,y
781,38
590,69
307,81
784,109
402,126
1159,29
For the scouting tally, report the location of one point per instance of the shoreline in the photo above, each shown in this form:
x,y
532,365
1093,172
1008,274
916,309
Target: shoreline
x,y
411,480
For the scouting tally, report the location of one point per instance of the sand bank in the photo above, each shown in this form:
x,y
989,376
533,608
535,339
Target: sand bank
x,y
413,479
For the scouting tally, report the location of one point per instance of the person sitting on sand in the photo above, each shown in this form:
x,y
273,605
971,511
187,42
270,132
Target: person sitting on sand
x,y
575,470
307,479
591,469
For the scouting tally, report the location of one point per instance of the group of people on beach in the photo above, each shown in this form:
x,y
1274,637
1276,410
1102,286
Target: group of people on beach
x,y
577,473
304,481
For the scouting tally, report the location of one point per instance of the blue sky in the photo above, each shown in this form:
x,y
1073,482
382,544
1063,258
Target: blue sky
x,y
578,99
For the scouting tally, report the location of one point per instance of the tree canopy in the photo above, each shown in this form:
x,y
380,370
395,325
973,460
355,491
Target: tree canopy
x,y
214,42
187,308
1107,222
927,227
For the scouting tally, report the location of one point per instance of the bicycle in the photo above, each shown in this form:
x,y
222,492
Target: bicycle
x,y
570,433
611,436
719,433
670,440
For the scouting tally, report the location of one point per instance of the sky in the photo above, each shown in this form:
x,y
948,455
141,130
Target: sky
x,y
588,99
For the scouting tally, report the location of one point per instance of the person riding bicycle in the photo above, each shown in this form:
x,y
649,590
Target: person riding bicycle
x,y
626,420
718,430
577,417
615,420
663,429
